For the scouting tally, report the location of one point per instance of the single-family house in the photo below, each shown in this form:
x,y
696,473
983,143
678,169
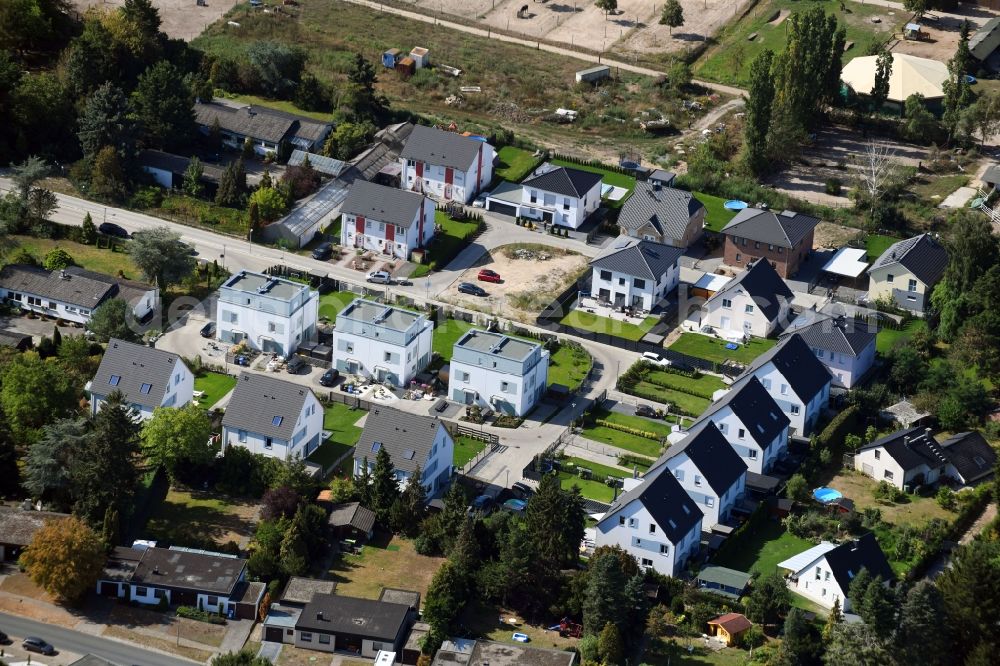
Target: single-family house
x,y
381,341
168,170
562,196
270,313
907,272
824,572
635,273
272,417
912,457
795,378
73,293
845,345
351,520
497,371
754,303
480,652
783,239
332,622
723,581
708,468
656,521
446,165
146,377
412,441
751,421
386,220
662,214
214,582
266,128
18,527
729,628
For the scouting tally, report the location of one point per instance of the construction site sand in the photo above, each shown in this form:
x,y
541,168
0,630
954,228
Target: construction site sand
x,y
182,19
702,19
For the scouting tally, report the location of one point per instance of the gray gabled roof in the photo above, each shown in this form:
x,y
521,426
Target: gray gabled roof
x,y
59,286
434,146
711,453
843,335
639,258
665,500
384,204
762,284
257,402
669,210
797,363
259,122
352,514
783,229
407,437
921,255
565,181
985,41
970,454
140,372
754,406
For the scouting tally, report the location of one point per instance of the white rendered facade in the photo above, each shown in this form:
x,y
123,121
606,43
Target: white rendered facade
x,y
622,289
305,439
271,314
637,533
383,342
716,507
498,372
802,411
734,311
568,211
759,456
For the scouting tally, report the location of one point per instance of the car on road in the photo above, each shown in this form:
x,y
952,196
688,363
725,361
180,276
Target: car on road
x,y
480,201
294,365
208,330
471,289
647,411
380,277
486,275
403,282
35,644
655,359
111,229
330,377
323,251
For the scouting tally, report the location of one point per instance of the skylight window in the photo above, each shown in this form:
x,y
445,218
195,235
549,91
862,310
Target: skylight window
x,y
686,509
376,446
145,388
408,454
114,380
673,525
276,421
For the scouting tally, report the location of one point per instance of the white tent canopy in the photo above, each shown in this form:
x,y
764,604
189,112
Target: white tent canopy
x,y
910,75
847,261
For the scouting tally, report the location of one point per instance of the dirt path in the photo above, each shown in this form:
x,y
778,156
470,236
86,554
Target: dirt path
x,y
985,519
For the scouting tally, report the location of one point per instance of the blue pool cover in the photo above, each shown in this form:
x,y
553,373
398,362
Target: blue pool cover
x,y
827,495
735,204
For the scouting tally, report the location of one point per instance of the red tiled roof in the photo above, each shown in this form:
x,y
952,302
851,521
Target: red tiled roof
x,y
733,623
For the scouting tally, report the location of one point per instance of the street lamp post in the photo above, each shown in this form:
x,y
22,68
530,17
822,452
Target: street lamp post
x,y
250,242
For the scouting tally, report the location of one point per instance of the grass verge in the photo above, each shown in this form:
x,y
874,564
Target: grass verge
x,y
597,324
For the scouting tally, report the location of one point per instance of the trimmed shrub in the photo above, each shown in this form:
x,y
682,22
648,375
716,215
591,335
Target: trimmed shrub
x,y
630,430
193,613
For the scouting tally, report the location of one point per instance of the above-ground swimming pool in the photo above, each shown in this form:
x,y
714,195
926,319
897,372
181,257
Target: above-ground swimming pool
x,y
735,204
827,495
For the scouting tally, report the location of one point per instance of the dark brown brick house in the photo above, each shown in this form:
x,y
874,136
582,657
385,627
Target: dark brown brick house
x,y
783,239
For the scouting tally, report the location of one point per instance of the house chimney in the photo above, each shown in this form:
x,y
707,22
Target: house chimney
x,y
156,569
319,615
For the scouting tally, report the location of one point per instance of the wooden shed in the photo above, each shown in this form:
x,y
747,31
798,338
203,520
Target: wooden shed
x,y
729,627
406,67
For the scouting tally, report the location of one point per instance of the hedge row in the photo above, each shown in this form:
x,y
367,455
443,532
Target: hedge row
x,y
649,395
630,459
193,613
966,516
630,430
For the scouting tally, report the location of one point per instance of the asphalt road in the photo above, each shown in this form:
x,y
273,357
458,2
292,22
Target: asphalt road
x,y
74,641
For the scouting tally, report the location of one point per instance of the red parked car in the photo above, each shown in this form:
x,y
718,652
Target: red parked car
x,y
486,275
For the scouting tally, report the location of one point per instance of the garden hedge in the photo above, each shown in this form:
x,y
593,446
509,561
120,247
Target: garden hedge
x,y
628,429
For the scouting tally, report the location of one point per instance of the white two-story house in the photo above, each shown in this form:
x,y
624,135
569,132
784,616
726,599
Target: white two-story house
x,y
386,220
795,378
271,314
445,165
147,378
272,417
382,341
635,273
496,371
561,195
655,521
752,423
913,457
708,468
754,303
824,572
412,441
845,345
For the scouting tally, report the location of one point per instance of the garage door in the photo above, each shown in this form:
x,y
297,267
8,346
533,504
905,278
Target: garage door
x,y
272,634
502,208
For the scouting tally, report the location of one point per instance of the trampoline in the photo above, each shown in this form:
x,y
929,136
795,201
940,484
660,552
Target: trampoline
x,y
827,495
970,79
735,204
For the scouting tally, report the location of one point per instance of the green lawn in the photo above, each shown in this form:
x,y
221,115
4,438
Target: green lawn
x,y
887,338
716,213
704,385
329,452
446,245
935,188
200,520
729,62
877,244
516,163
595,490
202,213
85,256
762,550
625,440
332,303
690,404
597,324
339,419
467,448
447,334
570,464
215,385
714,349
569,365
280,105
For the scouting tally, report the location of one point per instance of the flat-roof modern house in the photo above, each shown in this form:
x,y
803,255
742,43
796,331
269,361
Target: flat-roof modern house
x,y
272,417
662,215
146,377
754,303
795,378
386,220
913,457
383,342
783,239
496,371
331,622
907,272
845,345
635,273
823,573
266,128
445,165
562,196
412,441
73,293
271,314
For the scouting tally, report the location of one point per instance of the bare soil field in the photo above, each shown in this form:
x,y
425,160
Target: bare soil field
x,y
182,19
942,35
833,235
702,19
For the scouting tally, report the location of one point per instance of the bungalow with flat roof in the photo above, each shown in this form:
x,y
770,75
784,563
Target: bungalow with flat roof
x,y
412,440
497,371
300,590
146,377
331,622
384,342
468,652
272,417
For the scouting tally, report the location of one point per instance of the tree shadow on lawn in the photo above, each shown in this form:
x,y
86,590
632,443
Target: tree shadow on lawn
x,y
343,565
198,526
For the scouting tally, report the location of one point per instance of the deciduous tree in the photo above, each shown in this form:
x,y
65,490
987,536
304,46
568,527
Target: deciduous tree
x,y
920,123
32,393
672,15
757,122
161,256
281,502
107,179
270,203
192,178
957,91
65,558
609,645
607,6
176,437
348,139
880,89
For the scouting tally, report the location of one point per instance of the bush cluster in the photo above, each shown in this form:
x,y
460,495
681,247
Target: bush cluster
x,y
192,613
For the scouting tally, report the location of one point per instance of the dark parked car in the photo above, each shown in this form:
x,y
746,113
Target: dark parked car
x,y
522,490
323,251
111,229
486,275
483,504
294,365
647,411
471,289
208,330
329,377
35,644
